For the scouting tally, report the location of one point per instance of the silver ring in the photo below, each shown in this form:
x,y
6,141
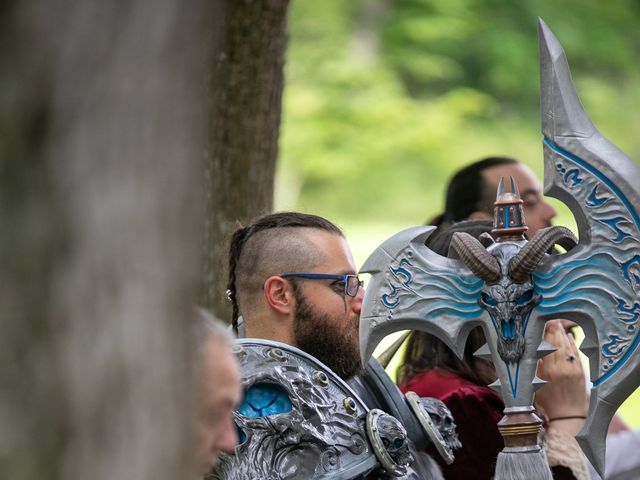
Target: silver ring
x,y
570,358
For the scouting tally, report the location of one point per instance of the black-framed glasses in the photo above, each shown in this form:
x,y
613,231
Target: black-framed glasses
x,y
351,282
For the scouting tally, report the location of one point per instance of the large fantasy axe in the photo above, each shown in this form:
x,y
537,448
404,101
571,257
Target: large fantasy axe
x,y
512,287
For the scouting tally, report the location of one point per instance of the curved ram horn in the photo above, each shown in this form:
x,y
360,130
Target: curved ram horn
x,y
529,257
475,257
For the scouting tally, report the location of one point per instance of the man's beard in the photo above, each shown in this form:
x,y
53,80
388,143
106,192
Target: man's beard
x,y
315,334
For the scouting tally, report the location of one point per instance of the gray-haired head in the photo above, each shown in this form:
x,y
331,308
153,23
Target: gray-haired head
x,y
207,327
217,391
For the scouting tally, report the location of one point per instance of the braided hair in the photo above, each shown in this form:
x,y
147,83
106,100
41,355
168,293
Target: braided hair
x,y
272,221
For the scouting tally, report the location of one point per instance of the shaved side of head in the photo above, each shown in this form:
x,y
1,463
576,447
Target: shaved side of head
x,y
273,252
271,245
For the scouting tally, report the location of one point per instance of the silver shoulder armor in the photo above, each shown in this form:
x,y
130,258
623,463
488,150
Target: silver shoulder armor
x,y
299,420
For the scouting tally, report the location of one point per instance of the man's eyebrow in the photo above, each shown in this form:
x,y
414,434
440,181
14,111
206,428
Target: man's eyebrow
x,y
530,191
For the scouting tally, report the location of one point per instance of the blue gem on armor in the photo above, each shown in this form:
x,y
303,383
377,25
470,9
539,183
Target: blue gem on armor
x,y
264,400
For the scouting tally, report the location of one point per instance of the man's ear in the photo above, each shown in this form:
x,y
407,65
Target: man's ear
x,y
279,294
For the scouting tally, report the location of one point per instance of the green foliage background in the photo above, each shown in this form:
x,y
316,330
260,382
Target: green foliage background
x,y
385,99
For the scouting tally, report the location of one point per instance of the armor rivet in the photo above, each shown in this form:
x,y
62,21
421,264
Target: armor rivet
x,y
358,446
237,350
350,405
321,378
277,354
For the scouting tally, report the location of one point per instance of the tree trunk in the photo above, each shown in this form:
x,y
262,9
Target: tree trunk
x,y
103,125
247,90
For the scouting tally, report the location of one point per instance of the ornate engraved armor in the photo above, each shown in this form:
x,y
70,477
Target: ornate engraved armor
x,y
299,420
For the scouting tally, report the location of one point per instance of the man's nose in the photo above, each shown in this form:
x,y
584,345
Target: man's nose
x,y
228,438
357,301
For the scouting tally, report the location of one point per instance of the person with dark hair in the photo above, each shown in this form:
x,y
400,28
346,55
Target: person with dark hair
x,y
431,369
293,283
472,190
292,278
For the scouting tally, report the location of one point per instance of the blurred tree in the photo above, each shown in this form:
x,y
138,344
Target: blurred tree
x,y
102,127
240,164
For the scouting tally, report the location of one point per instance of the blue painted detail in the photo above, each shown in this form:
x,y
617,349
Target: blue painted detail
x,y
605,277
609,349
573,177
404,272
540,277
513,379
404,276
525,297
612,186
625,310
387,296
446,307
613,347
598,273
505,211
509,329
448,292
613,224
626,269
488,299
264,400
594,201
582,284
513,385
567,281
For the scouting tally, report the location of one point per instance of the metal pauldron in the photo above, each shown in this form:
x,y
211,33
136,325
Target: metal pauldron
x,y
428,421
300,420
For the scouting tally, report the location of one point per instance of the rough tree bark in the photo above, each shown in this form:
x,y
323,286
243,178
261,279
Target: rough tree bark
x,y
102,125
247,89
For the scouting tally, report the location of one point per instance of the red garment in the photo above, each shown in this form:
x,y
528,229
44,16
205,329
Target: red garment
x,y
476,411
